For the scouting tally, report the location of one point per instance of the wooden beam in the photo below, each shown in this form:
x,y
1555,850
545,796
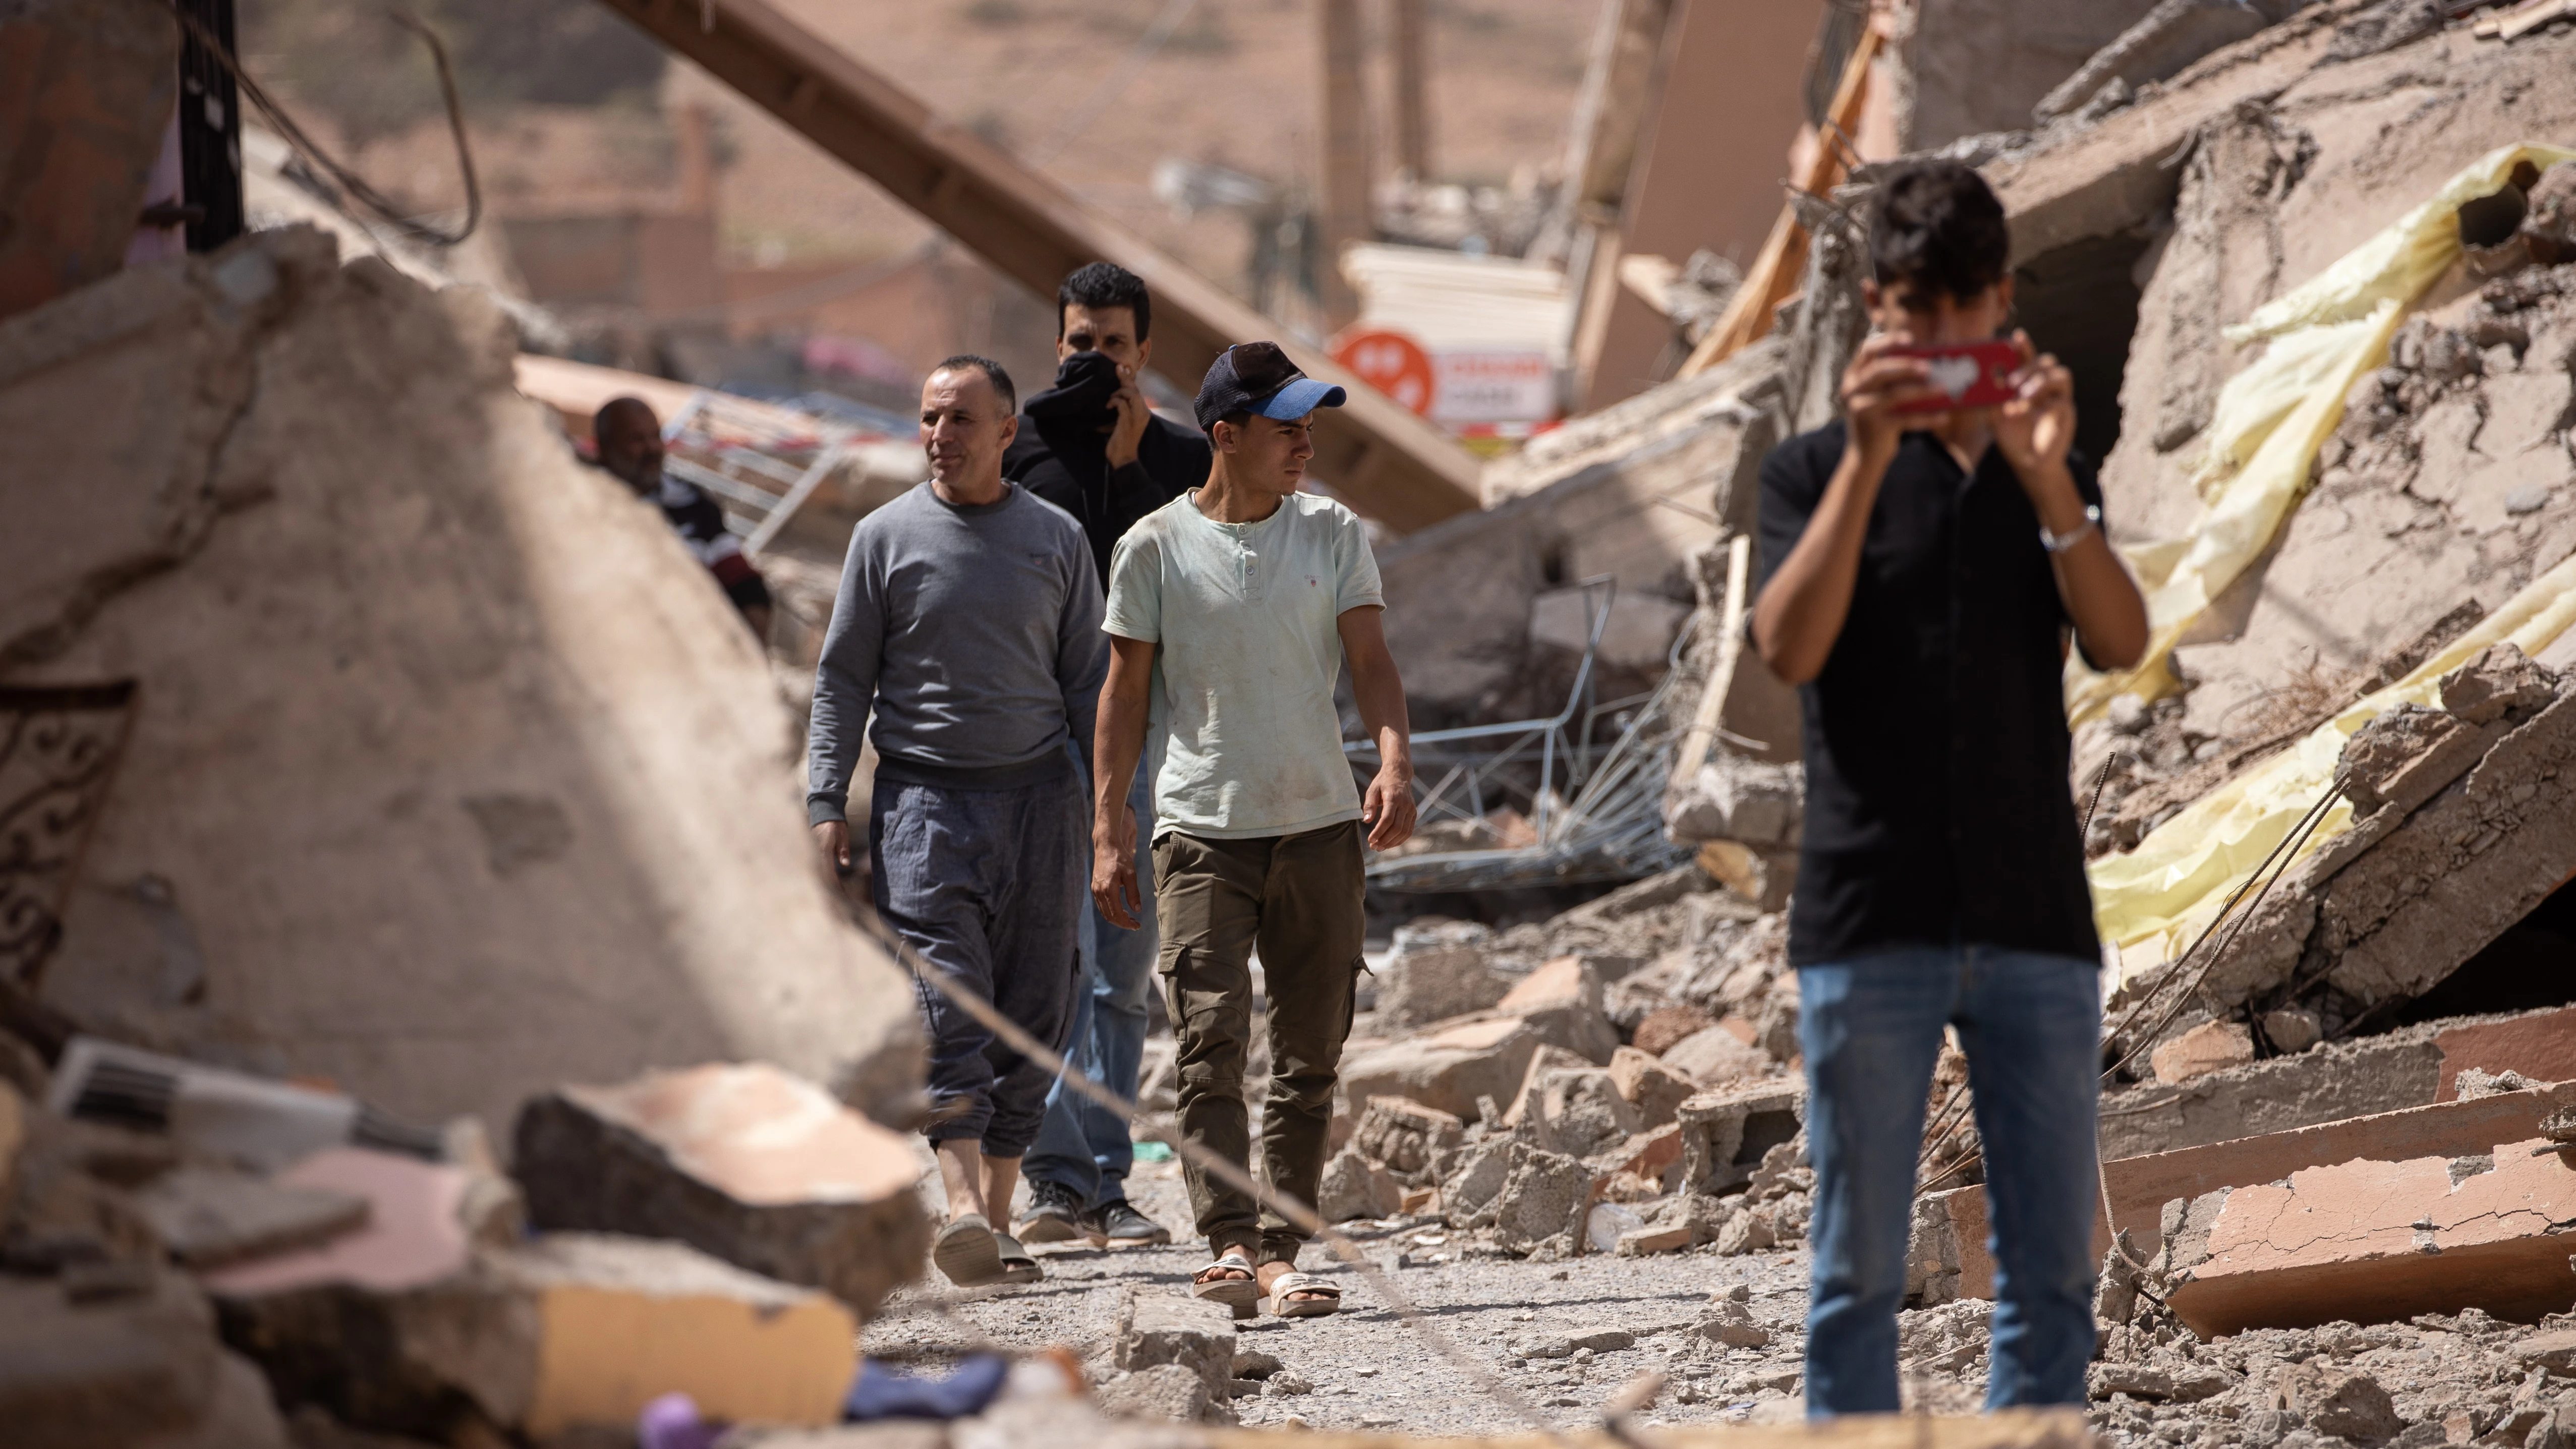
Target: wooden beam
x,y
1412,101
1774,274
1342,159
1033,230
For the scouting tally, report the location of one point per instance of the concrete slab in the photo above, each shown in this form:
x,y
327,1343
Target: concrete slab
x,y
2375,1242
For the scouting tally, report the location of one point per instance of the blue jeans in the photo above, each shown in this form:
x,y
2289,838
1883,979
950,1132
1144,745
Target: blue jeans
x,y
1082,1147
1871,1030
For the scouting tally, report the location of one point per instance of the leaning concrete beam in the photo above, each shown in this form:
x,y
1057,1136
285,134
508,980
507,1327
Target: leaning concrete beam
x,y
2122,171
1376,455
2377,1242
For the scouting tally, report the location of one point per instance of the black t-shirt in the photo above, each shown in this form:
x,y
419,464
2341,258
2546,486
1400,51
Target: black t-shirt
x,y
1066,462
1935,736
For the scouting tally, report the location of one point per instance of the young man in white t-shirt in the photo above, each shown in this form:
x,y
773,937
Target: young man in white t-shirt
x,y
1231,611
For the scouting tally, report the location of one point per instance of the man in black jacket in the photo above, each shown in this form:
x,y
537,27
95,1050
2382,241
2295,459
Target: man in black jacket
x,y
1093,447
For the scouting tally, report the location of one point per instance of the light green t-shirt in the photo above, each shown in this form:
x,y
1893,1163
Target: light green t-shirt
x,y
1243,682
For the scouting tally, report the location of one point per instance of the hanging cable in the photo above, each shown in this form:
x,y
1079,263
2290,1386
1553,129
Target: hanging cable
x,y
349,182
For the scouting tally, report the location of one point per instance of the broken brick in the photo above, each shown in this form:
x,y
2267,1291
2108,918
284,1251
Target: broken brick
x,y
2209,1047
746,1162
1447,1069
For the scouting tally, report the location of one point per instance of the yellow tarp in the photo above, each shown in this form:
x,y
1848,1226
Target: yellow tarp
x,y
2263,438
2272,417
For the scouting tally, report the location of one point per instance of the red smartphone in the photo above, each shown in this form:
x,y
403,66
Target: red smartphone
x,y
1969,374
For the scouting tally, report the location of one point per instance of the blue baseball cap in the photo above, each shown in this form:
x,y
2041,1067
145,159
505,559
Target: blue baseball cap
x,y
1257,377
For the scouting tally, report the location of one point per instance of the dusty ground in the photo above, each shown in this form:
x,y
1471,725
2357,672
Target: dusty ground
x,y
1369,1370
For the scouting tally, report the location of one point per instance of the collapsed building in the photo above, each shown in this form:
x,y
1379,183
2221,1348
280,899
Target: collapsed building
x,y
404,757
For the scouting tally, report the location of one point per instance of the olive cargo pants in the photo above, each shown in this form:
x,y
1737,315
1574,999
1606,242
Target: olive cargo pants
x,y
1298,897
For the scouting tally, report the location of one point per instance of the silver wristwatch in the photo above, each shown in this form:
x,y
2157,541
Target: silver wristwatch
x,y
2061,542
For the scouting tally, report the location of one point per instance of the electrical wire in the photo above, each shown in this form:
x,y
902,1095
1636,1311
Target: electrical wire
x,y
1299,1215
353,185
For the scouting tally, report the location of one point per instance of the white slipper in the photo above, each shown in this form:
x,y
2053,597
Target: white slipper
x,y
1239,1294
1281,1305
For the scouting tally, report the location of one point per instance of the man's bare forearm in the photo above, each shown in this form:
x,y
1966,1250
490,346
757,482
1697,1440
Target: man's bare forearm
x,y
1118,740
1380,697
1801,610
2110,615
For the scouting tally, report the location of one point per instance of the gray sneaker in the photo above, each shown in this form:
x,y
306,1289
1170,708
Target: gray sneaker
x,y
1124,1227
1053,1215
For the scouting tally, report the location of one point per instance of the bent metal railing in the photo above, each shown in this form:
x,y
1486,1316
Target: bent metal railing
x,y
1602,821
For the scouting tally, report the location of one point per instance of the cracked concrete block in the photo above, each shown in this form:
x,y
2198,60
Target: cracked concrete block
x,y
2141,1186
2374,1242
1562,1002
2406,755
1727,1131
566,1330
1158,1327
2500,679
1715,1057
2343,1402
1354,1187
1437,975
1542,1202
2209,1047
745,1162
1740,799
1406,1137
1655,1088
1446,1070
1163,1393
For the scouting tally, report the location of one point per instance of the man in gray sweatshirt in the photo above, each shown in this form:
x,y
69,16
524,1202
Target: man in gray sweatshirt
x,y
969,612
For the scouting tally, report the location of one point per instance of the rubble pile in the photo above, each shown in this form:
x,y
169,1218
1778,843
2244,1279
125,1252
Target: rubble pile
x,y
178,1282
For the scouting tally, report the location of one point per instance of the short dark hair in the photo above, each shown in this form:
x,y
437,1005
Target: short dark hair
x,y
991,369
1938,225
599,419
1106,284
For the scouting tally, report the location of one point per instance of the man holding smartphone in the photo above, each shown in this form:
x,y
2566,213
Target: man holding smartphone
x,y
1923,567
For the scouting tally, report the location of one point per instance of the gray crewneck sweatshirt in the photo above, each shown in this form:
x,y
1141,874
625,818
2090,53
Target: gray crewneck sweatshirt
x,y
975,630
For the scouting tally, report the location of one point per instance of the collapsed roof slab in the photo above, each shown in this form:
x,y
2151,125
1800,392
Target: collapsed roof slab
x,y
453,775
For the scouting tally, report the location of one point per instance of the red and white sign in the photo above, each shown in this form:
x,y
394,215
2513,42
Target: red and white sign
x,y
1392,363
1492,387
1456,388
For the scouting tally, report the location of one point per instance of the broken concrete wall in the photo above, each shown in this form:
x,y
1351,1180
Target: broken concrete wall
x,y
1971,66
453,774
2286,167
2412,1066
1482,608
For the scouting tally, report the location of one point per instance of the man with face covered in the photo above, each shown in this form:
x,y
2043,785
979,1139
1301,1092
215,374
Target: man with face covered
x,y
1091,446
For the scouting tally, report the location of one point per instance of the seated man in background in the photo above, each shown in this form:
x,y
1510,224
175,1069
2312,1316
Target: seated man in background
x,y
629,438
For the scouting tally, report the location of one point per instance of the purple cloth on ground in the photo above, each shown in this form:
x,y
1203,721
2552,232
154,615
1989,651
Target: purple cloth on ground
x,y
673,1422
